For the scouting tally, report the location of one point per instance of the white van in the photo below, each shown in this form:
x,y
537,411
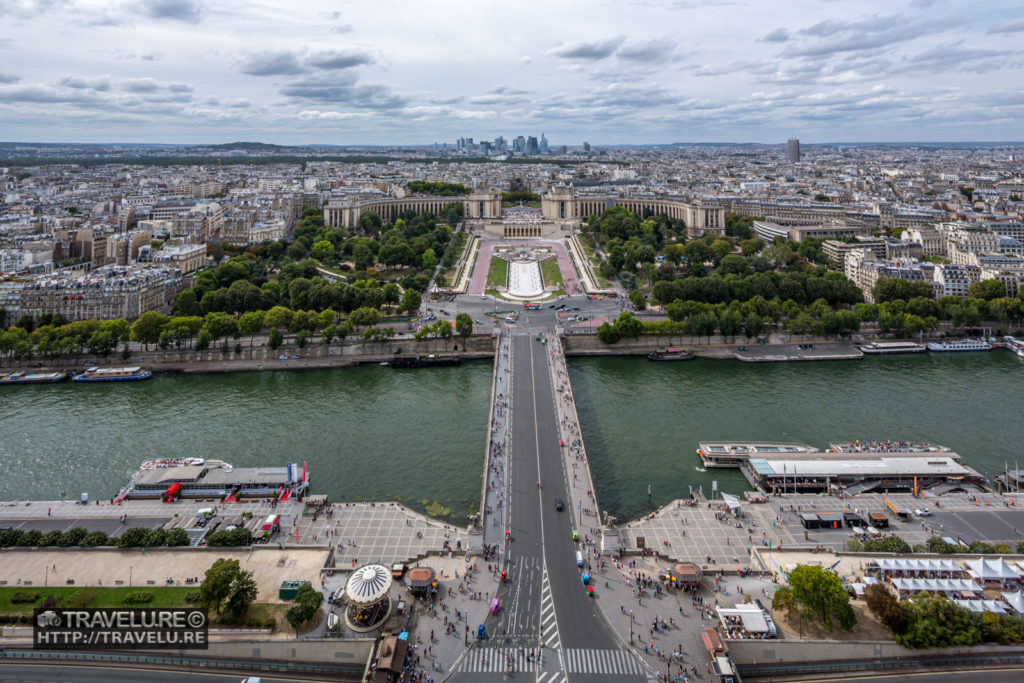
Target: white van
x,y
579,559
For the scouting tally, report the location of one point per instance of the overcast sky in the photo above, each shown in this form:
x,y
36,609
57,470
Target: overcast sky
x,y
628,71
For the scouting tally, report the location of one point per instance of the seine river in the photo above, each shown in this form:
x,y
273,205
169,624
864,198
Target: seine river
x,y
367,432
418,436
642,421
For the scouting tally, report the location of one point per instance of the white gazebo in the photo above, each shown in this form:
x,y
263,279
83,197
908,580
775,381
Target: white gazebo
x,y
1016,602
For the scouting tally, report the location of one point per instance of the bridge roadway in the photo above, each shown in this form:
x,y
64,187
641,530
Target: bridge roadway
x,y
544,600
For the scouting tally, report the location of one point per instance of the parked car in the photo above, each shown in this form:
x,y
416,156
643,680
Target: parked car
x,y
923,512
559,505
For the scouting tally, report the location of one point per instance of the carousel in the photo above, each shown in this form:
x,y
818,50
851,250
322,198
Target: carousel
x,y
367,594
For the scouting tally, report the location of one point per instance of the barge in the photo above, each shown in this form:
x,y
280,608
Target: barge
x,y
1015,345
133,374
24,377
427,361
892,347
671,354
168,479
736,454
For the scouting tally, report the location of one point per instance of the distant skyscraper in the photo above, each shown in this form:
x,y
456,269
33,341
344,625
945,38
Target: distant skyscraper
x,y
793,150
543,144
519,144
586,147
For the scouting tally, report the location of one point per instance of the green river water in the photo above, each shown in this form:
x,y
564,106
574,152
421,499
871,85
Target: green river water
x,y
418,436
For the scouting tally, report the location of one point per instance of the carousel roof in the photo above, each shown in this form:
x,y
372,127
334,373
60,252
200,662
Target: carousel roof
x,y
368,584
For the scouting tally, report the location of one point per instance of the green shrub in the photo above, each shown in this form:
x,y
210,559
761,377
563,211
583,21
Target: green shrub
x,y
95,539
72,537
50,539
177,537
83,598
138,598
193,596
24,597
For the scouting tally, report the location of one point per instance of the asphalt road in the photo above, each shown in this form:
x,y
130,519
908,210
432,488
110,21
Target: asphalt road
x,y
31,673
544,600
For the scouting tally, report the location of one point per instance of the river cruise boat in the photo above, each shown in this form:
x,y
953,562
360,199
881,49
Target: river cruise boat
x,y
23,377
887,446
734,454
961,345
892,347
170,479
112,375
428,361
670,354
1015,345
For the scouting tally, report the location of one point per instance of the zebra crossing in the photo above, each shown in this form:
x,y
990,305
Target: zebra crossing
x,y
548,623
494,660
584,661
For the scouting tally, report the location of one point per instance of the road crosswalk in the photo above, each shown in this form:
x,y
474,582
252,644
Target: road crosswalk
x,y
584,661
548,623
496,660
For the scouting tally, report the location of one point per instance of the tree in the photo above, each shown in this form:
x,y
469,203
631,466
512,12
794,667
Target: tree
x,y
278,316
250,323
275,339
607,333
987,290
463,325
754,325
204,339
323,250
217,583
883,605
429,261
392,293
147,328
411,301
364,316
626,325
242,593
307,602
933,621
821,596
638,300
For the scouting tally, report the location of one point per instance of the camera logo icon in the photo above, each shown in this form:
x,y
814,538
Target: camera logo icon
x,y
48,618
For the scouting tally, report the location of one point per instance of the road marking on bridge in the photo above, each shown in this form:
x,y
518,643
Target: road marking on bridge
x,y
495,660
551,677
548,621
583,661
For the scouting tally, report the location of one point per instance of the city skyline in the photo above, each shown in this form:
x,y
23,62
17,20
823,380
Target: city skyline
x,y
640,72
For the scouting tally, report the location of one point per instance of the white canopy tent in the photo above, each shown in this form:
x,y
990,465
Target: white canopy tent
x,y
918,566
995,571
1016,601
909,586
980,606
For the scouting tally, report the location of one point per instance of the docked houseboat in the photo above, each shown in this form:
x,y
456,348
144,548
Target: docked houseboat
x,y
425,361
169,479
960,345
671,354
734,454
112,375
1015,345
23,377
892,347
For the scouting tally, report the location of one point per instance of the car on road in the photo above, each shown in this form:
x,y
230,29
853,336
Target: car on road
x,y
480,322
559,505
923,512
295,357
444,312
282,357
429,308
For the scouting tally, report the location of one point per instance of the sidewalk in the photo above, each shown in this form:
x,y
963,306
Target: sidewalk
x,y
582,498
494,517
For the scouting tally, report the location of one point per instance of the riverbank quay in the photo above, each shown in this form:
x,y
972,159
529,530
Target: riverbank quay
x,y
287,357
708,534
356,532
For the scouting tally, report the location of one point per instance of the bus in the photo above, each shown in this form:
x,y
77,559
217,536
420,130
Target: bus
x,y
532,306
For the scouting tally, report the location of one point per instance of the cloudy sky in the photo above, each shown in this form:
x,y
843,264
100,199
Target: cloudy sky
x,y
396,71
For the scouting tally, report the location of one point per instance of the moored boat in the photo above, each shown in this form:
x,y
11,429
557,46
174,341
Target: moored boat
x,y
961,345
131,374
892,347
1015,345
424,361
22,377
671,354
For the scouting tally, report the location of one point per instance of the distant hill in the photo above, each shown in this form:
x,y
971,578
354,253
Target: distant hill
x,y
261,146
